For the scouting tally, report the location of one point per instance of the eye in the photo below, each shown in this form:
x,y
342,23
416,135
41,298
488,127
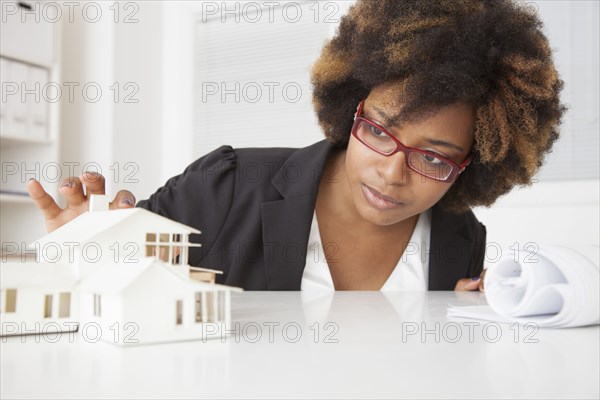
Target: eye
x,y
376,132
431,159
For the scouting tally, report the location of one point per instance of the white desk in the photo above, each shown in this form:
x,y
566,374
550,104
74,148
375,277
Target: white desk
x,y
370,358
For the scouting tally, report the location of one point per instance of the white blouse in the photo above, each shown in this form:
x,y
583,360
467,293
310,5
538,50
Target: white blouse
x,y
411,272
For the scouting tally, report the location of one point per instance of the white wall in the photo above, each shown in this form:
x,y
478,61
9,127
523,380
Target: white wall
x,y
141,136
177,88
560,212
86,126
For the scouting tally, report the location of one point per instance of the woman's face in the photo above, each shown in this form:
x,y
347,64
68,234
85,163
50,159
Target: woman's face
x,y
371,175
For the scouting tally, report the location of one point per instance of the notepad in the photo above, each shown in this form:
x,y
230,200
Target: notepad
x,y
551,286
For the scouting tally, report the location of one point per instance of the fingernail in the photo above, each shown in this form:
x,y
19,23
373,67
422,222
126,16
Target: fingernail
x,y
92,176
67,184
475,278
126,201
31,179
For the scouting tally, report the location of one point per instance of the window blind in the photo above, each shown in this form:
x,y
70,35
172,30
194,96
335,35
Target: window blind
x,y
252,72
572,29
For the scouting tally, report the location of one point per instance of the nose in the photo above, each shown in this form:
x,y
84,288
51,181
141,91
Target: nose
x,y
393,169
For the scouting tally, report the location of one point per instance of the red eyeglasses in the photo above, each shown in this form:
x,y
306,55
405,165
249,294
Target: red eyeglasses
x,y
424,162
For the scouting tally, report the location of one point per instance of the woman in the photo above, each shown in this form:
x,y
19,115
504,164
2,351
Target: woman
x,y
428,108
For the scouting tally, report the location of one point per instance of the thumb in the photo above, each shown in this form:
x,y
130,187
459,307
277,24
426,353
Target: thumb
x,y
123,199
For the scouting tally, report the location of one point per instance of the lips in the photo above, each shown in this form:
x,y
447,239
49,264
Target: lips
x,y
379,200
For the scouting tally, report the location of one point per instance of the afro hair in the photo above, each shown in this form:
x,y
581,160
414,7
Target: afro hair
x,y
491,54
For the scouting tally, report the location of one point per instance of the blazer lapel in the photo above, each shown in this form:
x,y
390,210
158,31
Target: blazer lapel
x,y
286,222
449,249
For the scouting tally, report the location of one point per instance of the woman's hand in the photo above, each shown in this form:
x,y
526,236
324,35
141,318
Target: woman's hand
x,y
469,284
77,200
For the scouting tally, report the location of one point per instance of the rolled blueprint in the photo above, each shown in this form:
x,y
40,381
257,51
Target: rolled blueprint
x,y
553,286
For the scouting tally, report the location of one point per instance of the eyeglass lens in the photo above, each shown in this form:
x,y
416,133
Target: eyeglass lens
x,y
422,163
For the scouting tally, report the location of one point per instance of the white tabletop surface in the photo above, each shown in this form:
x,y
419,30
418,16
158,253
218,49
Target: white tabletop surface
x,y
344,344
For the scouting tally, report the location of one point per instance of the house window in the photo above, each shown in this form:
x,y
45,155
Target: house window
x,y
150,249
178,249
179,312
11,300
48,306
210,306
165,246
64,305
96,305
198,308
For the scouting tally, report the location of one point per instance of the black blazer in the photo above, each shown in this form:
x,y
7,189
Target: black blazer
x,y
254,207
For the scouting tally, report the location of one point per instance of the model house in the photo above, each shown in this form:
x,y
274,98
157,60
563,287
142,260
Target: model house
x,y
102,237
37,298
122,276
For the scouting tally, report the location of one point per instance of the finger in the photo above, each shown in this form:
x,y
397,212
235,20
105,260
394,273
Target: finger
x,y
94,183
164,253
176,251
459,285
43,200
123,199
472,284
72,189
481,280
466,284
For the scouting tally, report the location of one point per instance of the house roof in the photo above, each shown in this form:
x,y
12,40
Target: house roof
x,y
33,274
80,229
115,278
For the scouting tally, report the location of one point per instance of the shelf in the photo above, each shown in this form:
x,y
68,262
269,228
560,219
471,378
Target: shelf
x,y
15,198
18,258
30,53
11,140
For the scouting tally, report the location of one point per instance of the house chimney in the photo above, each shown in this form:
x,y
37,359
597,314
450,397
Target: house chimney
x,y
98,202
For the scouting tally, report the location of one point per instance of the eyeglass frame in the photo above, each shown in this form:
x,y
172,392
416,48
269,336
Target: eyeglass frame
x,y
457,169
